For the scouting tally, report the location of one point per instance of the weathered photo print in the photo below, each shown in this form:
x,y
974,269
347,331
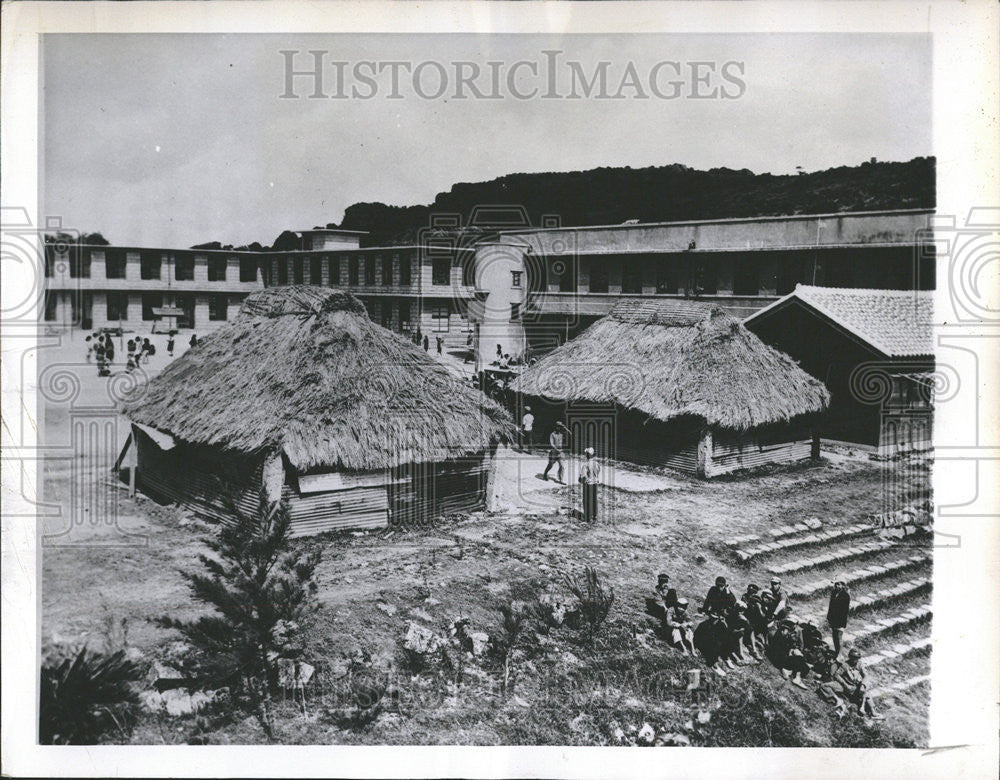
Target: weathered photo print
x,y
486,387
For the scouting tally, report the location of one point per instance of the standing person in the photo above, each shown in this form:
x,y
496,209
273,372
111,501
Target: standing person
x,y
146,350
170,344
130,346
440,343
417,338
427,343
194,341
499,352
468,349
836,613
109,349
557,441
590,476
527,426
90,348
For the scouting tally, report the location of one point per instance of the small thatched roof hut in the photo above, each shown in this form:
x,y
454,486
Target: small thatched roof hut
x,y
687,364
302,375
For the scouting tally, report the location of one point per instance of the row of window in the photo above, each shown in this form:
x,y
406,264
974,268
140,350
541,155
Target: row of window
x,y
116,303
150,265
375,271
750,276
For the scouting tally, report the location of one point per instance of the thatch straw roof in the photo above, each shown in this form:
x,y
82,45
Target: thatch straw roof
x,y
673,358
303,370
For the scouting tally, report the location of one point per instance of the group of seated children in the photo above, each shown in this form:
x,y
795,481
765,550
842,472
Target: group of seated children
x,y
742,630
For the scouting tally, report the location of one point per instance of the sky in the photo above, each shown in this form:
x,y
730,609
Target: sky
x,y
172,140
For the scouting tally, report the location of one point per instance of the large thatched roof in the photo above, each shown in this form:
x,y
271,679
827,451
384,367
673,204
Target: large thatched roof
x,y
302,369
673,358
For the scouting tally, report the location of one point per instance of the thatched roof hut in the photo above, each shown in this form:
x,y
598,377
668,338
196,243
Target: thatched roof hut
x,y
302,373
672,360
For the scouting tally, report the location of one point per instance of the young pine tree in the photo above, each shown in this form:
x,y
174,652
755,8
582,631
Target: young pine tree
x,y
262,595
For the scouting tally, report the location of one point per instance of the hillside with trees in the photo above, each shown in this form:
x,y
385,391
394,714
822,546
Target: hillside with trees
x,y
661,194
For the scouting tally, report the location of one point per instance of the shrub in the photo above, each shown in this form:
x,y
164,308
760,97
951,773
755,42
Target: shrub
x,y
86,697
594,601
503,643
262,595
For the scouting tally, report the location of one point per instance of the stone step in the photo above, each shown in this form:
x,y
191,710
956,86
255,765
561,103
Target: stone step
x,y
863,632
812,524
901,686
840,555
901,590
853,578
901,650
798,540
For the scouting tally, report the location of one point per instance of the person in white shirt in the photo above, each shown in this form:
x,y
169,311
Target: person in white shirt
x,y
590,476
527,429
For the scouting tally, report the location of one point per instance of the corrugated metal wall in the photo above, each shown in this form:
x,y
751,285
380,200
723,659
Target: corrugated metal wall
x,y
731,452
199,478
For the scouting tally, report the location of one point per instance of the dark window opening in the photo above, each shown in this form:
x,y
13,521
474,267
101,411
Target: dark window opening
x,y
631,277
50,259
468,269
150,264
406,271
298,272
248,269
565,270
333,268
114,263
404,315
598,276
666,278
117,305
50,306
217,269
282,271
440,318
352,271
218,306
184,268
370,270
515,278
515,312
150,301
79,263
706,278
440,271
185,302
315,271
386,271
746,277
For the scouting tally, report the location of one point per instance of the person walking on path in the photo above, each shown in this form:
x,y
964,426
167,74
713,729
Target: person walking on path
x,y
194,341
170,344
557,442
836,614
527,426
590,476
440,343
427,343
